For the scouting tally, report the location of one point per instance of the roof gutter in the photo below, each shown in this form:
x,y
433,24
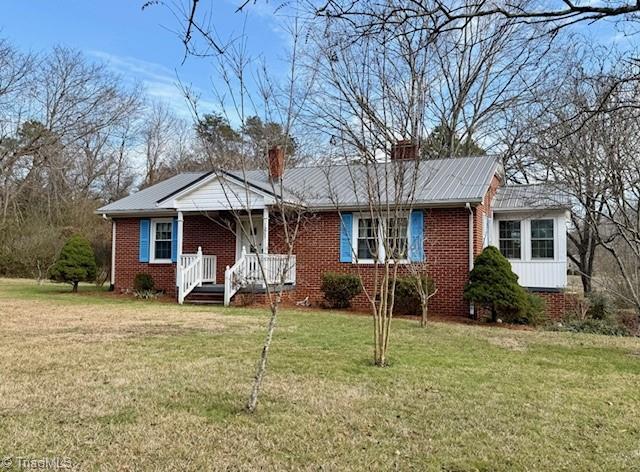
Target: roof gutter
x,y
468,207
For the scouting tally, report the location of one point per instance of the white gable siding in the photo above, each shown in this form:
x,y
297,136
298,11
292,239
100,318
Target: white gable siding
x,y
215,195
537,273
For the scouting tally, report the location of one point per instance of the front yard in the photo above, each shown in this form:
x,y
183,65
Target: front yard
x,y
118,384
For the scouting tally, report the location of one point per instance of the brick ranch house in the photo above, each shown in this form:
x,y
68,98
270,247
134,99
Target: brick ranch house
x,y
181,231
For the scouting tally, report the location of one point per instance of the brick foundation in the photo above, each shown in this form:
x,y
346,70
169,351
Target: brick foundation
x,y
557,303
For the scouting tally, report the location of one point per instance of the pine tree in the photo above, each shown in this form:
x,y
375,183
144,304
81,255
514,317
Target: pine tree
x,y
494,286
76,263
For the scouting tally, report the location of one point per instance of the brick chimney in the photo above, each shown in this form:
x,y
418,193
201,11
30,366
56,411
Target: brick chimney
x,y
404,150
276,162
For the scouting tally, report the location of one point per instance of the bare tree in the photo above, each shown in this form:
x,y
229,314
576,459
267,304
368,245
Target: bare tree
x,y
424,286
481,73
436,16
158,133
619,230
58,116
278,104
371,101
564,145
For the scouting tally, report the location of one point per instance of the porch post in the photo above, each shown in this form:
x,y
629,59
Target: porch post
x,y
265,231
179,257
113,254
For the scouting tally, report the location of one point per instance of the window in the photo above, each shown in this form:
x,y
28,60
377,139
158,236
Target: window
x,y
162,240
367,238
542,239
510,241
370,245
397,237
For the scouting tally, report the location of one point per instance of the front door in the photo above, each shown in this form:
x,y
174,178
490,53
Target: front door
x,y
249,237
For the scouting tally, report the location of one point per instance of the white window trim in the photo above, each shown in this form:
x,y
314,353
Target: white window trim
x,y
522,239
555,241
152,241
525,237
381,252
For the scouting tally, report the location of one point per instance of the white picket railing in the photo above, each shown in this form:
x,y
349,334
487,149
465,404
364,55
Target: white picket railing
x,y
193,270
278,268
208,266
209,269
190,275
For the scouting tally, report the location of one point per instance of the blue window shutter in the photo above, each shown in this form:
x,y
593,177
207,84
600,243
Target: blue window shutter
x,y
346,228
145,233
416,248
174,240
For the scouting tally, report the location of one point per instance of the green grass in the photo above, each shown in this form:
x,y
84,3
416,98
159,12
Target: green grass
x,y
116,384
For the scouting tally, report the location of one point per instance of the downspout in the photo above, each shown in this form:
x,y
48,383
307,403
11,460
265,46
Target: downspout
x,y
112,275
468,207
179,238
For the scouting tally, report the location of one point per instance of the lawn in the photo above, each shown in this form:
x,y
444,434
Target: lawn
x,y
117,384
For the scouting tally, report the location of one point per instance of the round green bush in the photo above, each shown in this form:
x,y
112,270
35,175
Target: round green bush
x,y
339,289
407,297
143,282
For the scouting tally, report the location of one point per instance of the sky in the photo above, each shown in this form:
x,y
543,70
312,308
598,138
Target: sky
x,y
142,46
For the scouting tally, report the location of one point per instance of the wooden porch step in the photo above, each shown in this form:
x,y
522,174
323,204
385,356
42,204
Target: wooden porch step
x,y
188,301
207,294
209,288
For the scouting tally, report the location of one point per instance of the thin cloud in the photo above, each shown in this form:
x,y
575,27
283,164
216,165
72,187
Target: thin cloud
x,y
159,82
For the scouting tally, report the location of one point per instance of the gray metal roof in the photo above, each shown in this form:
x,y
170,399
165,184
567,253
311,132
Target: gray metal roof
x,y
438,181
532,196
146,199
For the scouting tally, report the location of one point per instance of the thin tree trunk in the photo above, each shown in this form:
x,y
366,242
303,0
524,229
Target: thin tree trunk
x,y
586,282
262,364
423,319
74,288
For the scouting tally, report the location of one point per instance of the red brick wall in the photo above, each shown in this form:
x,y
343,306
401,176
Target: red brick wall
x,y
479,211
446,247
317,251
557,303
127,265
214,238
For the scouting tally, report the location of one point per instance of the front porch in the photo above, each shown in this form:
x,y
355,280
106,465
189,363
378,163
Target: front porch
x,y
219,255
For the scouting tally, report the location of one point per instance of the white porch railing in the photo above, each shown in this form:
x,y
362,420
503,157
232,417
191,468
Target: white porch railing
x,y
278,268
208,266
193,270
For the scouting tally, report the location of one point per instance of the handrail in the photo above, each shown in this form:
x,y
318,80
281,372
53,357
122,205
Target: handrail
x,y
278,268
190,277
232,278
